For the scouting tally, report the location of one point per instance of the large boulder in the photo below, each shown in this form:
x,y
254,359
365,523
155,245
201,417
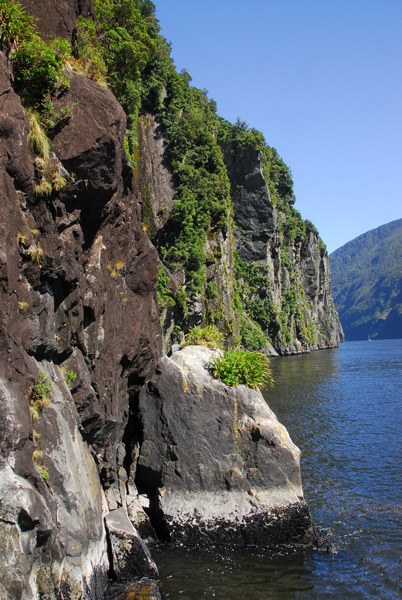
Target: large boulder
x,y
217,464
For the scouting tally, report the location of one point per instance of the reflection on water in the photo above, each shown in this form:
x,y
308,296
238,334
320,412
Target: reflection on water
x,y
342,407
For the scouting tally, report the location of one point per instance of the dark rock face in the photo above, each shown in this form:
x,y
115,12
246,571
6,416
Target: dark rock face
x,y
77,285
58,19
304,272
51,529
254,213
153,176
130,553
216,462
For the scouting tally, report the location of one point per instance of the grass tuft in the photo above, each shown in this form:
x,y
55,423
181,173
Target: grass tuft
x,y
37,138
208,336
237,367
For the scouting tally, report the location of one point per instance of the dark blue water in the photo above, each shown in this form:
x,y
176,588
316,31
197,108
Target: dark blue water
x,y
343,408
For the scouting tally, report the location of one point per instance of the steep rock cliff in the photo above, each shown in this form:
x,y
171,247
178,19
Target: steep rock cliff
x,y
294,305
78,297
180,308
267,277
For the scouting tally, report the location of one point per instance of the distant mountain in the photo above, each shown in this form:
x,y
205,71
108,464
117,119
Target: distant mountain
x,y
366,283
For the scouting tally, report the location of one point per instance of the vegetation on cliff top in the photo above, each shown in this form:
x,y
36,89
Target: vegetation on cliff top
x,y
126,50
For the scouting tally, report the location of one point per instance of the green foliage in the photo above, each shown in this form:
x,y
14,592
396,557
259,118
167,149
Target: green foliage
x,y
37,138
165,296
203,197
43,472
182,299
366,283
37,457
69,377
237,367
208,336
49,117
88,51
38,68
256,310
23,306
251,334
127,37
39,395
15,25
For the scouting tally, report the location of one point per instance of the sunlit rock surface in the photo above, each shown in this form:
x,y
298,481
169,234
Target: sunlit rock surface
x,y
217,464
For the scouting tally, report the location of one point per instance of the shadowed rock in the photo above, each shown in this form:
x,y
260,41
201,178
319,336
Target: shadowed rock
x,y
218,464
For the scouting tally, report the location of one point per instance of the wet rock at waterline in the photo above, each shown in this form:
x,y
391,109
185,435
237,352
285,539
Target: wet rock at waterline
x,y
215,461
130,553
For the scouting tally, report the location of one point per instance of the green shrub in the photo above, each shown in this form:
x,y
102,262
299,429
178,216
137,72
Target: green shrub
x,y
37,138
182,299
38,68
165,297
88,51
208,336
69,376
237,367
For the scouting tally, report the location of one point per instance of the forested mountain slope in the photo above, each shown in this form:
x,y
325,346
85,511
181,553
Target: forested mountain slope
x,y
366,283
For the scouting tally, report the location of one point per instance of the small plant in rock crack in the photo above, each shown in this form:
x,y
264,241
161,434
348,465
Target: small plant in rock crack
x,y
37,457
40,395
39,398
69,376
36,253
116,268
22,239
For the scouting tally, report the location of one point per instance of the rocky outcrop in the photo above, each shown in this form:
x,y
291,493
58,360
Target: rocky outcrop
x,y
297,311
277,295
52,505
217,465
80,335
78,297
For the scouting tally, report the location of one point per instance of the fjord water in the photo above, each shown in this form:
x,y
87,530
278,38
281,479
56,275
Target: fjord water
x,y
343,408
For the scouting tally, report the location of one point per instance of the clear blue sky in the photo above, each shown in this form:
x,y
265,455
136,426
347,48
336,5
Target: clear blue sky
x,y
322,80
